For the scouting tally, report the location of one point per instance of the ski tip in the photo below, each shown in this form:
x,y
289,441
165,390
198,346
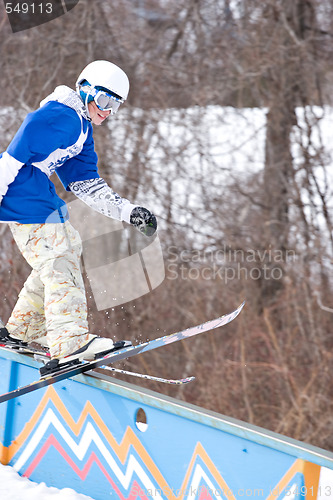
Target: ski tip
x,y
188,379
180,381
240,307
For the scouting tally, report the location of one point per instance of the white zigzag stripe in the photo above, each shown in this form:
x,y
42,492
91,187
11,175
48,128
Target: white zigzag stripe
x,y
198,475
89,436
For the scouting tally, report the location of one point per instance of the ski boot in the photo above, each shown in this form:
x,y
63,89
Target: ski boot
x,y
96,348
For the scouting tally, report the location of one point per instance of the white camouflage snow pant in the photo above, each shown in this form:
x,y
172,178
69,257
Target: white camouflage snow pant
x,y
52,301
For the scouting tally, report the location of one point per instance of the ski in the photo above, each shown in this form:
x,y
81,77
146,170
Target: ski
x,y
42,358
124,353
17,345
179,381
25,349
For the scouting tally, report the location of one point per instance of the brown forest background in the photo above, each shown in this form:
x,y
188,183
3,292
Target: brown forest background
x,y
272,366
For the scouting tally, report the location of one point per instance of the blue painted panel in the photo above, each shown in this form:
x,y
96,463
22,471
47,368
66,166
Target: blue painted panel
x,y
82,434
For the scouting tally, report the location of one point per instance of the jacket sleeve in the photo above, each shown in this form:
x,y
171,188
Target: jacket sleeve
x,y
100,197
43,131
40,134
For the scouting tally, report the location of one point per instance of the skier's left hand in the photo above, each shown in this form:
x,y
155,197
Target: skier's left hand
x,y
143,220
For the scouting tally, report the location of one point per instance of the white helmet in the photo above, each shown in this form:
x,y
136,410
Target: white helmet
x,y
103,75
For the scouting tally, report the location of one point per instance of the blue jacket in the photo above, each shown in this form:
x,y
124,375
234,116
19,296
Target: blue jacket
x,y
54,138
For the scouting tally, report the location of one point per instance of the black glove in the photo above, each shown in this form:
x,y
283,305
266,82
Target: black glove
x,y
143,220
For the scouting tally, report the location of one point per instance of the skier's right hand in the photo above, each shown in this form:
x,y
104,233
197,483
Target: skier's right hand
x,y
143,220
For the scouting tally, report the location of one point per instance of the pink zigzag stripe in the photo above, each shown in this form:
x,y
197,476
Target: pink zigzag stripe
x,y
204,495
51,441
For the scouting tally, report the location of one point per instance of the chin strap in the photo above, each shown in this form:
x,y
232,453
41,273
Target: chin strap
x,y
86,106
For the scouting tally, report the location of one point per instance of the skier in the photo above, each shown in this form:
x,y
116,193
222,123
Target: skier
x,y
58,138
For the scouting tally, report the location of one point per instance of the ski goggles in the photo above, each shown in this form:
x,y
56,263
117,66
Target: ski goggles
x,y
105,101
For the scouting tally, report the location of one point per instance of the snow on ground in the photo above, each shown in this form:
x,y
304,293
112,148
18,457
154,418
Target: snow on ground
x,y
15,487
